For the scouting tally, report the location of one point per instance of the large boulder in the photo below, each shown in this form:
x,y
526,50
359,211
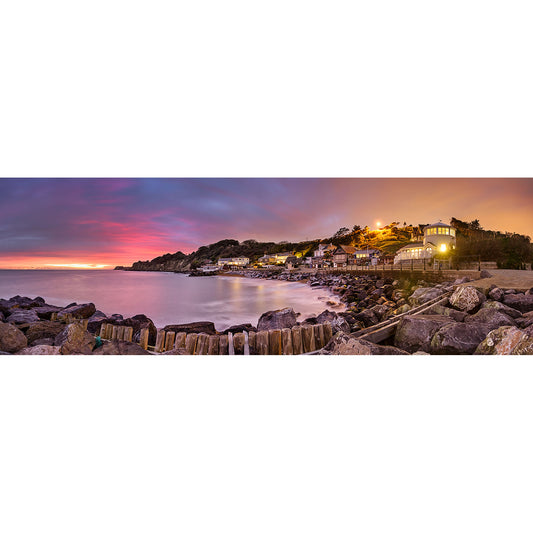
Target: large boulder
x,y
11,338
44,312
496,294
193,327
414,333
491,317
367,317
438,309
239,328
96,320
522,302
507,340
44,329
75,339
502,308
22,316
344,344
339,323
40,349
525,320
279,319
78,311
425,294
458,338
467,298
116,347
326,316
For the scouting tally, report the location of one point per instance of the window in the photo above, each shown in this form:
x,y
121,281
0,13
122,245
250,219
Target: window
x,y
452,232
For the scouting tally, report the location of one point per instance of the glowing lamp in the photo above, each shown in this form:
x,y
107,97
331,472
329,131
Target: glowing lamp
x,y
442,247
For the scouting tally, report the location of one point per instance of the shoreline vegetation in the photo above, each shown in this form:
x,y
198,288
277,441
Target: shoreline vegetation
x,y
418,317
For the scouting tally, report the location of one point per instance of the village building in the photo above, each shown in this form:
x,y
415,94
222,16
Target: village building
x,y
275,259
233,261
370,255
438,238
343,255
209,268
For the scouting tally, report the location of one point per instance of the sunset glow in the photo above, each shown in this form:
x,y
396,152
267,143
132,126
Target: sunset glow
x,y
101,223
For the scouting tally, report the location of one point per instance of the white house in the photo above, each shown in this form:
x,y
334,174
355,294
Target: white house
x,y
438,238
233,261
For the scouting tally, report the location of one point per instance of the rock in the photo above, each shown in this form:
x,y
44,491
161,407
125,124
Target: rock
x,y
2,317
22,316
326,316
425,294
502,308
41,349
466,298
40,342
43,329
414,333
367,317
458,338
11,338
525,320
420,352
380,311
282,318
496,294
485,274
96,320
343,344
239,328
116,347
339,323
44,312
193,327
507,340
460,281
74,339
175,351
492,318
522,302
458,316
402,309
78,311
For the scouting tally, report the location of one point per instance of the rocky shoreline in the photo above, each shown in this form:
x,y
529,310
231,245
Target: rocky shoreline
x,y
466,320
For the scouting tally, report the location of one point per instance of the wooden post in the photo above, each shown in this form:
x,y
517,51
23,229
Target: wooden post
x,y
201,344
114,334
274,341
286,342
190,343
297,345
102,331
261,342
223,345
251,342
109,331
328,332
143,339
53,318
169,341
318,330
246,343
179,343
308,339
160,340
238,343
213,345
128,334
231,347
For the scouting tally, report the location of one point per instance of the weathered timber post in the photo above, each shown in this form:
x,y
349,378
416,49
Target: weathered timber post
x,y
246,343
318,330
308,339
231,347
238,343
169,341
102,331
223,345
213,345
328,332
121,331
201,344
274,341
114,334
261,342
297,345
53,318
160,340
251,342
143,339
179,342
128,334
190,343
108,331
286,342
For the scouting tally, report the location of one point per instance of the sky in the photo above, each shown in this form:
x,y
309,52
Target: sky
x,y
104,222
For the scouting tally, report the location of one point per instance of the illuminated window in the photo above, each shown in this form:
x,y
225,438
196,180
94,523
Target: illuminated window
x,y
442,247
452,232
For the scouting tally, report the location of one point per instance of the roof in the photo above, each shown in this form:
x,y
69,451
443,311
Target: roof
x,y
346,249
419,244
438,224
366,250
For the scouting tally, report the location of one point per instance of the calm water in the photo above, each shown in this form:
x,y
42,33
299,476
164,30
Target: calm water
x,y
165,297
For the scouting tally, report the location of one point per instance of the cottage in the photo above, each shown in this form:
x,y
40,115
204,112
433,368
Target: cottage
x,y
233,261
438,238
364,256
343,255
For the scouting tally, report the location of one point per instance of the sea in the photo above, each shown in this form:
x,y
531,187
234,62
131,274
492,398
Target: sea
x,y
166,297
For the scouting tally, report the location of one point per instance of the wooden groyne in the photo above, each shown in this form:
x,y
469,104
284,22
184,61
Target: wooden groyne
x,y
287,341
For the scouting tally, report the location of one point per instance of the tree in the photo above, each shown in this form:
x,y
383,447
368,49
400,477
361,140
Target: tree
x,y
341,233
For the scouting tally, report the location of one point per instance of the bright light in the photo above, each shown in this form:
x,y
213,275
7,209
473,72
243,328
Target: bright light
x,y
378,224
442,247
